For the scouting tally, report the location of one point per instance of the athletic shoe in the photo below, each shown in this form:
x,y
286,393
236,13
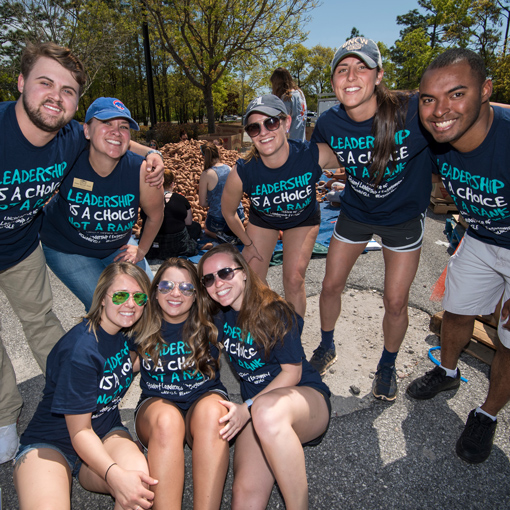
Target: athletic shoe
x,y
225,238
475,442
322,359
432,383
9,442
385,382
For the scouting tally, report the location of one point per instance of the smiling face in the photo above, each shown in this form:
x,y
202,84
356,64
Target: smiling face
x,y
175,306
49,95
354,86
454,105
115,317
270,143
108,137
225,292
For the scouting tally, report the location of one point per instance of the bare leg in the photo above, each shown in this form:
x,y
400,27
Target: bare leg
x,y
339,262
210,453
160,426
265,241
456,331
400,270
298,246
499,389
43,480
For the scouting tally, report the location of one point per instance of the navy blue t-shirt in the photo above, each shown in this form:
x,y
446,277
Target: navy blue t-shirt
x,y
479,182
172,379
404,193
83,375
283,197
94,215
250,362
29,176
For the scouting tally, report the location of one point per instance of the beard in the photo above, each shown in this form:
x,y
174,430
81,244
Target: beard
x,y
49,125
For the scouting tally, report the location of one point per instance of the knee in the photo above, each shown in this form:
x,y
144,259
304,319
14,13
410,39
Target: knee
x,y
246,494
395,306
332,287
266,419
294,282
165,430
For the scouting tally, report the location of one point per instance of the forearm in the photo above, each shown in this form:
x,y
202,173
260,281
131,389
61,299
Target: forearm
x,y
150,231
91,450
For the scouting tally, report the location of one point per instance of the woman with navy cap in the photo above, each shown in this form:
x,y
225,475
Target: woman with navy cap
x,y
377,136
88,223
279,177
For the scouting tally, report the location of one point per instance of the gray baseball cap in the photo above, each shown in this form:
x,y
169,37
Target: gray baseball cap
x,y
361,47
268,104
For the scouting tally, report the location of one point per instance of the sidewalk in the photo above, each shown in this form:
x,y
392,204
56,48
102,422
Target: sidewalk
x,y
375,455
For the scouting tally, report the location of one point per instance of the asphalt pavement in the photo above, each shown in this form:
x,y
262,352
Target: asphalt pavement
x,y
375,455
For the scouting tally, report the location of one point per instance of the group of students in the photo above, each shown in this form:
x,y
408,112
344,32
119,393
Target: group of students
x,y
171,329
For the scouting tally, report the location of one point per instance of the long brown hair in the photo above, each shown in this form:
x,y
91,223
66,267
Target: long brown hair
x,y
265,315
211,154
282,83
194,333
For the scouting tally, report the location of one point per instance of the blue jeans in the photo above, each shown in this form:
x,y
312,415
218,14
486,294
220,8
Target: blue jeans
x,y
80,274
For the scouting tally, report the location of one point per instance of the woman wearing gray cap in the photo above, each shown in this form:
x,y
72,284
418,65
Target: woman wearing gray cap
x,y
279,177
377,136
88,223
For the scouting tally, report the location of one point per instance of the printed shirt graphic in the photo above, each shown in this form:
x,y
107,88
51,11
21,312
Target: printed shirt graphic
x,y
285,196
29,176
404,193
93,215
249,360
479,182
172,379
83,375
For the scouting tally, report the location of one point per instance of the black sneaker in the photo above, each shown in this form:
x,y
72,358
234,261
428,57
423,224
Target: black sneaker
x,y
475,442
385,382
322,359
432,383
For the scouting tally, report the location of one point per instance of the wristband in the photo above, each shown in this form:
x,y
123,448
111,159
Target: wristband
x,y
249,403
154,151
109,467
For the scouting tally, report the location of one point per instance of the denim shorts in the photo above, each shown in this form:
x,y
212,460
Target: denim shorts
x,y
215,224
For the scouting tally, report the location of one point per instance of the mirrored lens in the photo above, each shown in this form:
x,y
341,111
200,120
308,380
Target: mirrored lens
x,y
271,124
120,297
185,288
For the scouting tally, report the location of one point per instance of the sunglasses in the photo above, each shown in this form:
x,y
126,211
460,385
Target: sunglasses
x,y
225,274
254,129
185,288
121,296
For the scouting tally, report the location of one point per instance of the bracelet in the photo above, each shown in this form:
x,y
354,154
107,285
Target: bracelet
x,y
246,245
106,474
154,151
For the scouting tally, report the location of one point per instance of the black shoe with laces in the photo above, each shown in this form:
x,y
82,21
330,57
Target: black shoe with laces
x,y
385,382
432,383
322,359
475,442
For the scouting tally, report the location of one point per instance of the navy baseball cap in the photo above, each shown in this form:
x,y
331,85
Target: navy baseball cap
x,y
361,47
268,104
106,108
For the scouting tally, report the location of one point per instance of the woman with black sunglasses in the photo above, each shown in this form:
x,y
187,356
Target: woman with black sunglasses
x,y
76,430
181,392
286,404
279,176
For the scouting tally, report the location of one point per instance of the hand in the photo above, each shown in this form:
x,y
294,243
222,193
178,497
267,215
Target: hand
x,y
236,418
505,312
130,253
250,252
328,173
155,169
129,488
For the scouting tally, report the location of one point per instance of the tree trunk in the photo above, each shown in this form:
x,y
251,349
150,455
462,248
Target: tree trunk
x,y
209,105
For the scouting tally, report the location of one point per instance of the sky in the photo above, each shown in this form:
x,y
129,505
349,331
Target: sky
x,y
376,19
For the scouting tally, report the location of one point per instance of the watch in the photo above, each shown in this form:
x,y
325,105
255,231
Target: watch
x,y
249,403
154,151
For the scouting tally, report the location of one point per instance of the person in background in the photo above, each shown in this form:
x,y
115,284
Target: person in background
x,y
210,191
153,144
88,224
377,137
181,392
294,100
183,136
286,404
178,234
76,430
45,142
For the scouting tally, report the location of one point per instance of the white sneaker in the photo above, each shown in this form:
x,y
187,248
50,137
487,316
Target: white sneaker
x,y
9,442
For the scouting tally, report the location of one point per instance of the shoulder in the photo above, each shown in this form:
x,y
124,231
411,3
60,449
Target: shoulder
x,y
132,159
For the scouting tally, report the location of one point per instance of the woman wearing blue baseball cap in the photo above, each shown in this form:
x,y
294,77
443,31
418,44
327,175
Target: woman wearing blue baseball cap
x,y
279,177
88,223
377,136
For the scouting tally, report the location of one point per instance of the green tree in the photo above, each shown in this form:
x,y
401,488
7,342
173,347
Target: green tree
x,y
207,37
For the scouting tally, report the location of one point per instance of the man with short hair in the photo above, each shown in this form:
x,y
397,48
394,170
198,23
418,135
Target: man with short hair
x,y
41,142
472,157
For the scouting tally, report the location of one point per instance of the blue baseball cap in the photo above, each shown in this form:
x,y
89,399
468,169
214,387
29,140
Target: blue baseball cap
x,y
106,108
